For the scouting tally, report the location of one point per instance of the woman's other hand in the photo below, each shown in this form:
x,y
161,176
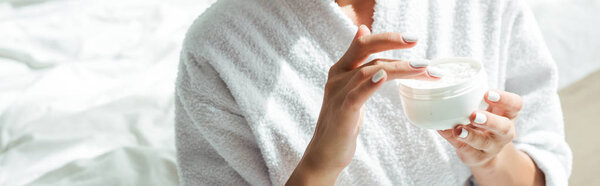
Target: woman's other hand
x,y
485,145
481,141
349,85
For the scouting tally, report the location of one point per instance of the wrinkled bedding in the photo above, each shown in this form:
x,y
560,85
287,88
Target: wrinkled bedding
x,y
86,86
86,90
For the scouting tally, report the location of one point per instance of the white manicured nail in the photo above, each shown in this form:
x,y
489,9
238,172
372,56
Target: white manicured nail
x,y
464,133
419,63
410,38
363,27
435,73
480,118
378,76
493,96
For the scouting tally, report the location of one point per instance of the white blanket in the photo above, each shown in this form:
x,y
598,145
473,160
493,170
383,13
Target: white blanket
x,y
251,81
86,91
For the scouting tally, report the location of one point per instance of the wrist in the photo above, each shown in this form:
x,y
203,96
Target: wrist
x,y
509,167
492,165
309,173
488,167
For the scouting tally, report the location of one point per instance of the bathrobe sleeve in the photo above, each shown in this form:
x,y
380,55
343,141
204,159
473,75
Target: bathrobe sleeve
x,y
531,73
215,146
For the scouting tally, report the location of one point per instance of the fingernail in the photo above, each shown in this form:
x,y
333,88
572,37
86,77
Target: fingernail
x,y
435,72
410,38
363,27
464,133
378,76
480,118
493,96
419,63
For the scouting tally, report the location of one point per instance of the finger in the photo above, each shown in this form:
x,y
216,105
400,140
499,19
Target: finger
x,y
504,103
349,59
477,139
365,44
501,127
462,148
451,136
395,69
399,69
356,97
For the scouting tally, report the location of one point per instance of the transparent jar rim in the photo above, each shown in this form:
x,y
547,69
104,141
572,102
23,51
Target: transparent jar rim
x,y
450,90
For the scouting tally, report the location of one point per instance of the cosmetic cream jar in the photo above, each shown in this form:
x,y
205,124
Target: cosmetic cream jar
x,y
444,103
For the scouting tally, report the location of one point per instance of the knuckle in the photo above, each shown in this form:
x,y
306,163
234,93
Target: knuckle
x,y
511,134
331,70
481,157
506,128
486,143
394,37
363,73
361,42
462,147
350,98
512,115
464,157
515,108
398,67
517,103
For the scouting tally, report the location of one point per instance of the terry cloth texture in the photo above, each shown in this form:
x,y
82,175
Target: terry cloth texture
x,y
252,72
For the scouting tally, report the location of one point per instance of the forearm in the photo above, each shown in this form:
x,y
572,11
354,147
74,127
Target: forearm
x,y
306,174
510,167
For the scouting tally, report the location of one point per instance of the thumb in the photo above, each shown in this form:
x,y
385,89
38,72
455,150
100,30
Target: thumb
x,y
362,31
351,58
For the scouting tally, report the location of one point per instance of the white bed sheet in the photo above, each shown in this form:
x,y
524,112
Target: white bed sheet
x,y
86,90
86,86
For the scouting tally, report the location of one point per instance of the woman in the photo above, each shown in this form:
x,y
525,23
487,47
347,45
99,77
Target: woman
x,y
276,92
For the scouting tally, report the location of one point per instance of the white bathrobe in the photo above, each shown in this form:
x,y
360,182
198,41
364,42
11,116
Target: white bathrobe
x,y
252,73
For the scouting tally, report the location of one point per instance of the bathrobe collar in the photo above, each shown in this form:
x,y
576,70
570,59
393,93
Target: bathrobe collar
x,y
334,31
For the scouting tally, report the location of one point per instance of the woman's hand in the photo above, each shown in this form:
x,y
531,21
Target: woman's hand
x,y
489,131
349,85
485,145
